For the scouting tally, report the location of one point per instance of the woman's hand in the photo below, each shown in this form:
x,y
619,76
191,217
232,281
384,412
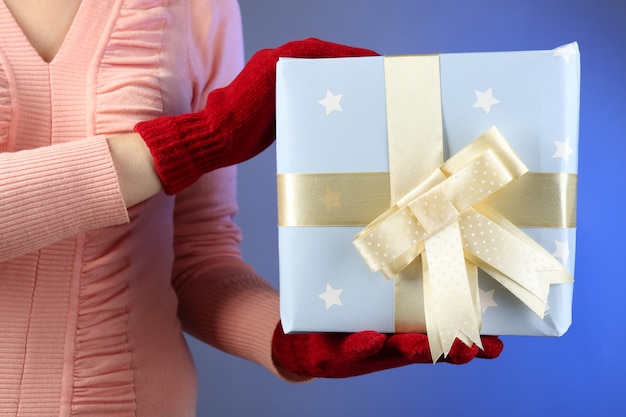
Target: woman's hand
x,y
237,123
341,355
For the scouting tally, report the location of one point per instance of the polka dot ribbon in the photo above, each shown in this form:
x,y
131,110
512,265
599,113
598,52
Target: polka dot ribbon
x,y
447,221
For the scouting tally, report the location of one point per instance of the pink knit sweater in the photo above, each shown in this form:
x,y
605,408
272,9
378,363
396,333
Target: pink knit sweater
x,y
93,297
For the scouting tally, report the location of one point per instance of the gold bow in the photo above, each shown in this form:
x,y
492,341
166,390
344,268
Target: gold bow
x,y
446,221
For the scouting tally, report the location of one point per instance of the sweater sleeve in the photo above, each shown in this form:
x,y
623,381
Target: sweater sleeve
x,y
57,191
222,301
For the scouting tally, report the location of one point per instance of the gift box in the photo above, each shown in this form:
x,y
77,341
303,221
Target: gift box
x,y
387,219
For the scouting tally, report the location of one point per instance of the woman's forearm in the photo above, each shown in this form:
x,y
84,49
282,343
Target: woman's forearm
x,y
135,168
52,192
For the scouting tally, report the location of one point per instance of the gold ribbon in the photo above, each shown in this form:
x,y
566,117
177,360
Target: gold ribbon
x,y
536,199
414,123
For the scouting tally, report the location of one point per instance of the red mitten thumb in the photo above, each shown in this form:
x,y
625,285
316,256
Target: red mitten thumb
x,y
237,123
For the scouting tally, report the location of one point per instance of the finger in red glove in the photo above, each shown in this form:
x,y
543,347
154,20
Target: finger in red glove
x,y
492,347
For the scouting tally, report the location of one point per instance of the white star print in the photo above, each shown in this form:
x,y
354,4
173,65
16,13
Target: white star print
x,y
331,296
486,299
331,102
565,51
485,99
562,250
563,150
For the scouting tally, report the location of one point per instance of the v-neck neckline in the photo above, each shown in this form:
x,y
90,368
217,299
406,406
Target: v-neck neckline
x,y
67,37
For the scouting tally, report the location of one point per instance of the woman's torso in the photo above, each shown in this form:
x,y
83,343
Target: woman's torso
x,y
89,323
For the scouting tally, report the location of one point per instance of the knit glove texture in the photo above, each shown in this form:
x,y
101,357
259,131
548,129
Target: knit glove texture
x,y
341,355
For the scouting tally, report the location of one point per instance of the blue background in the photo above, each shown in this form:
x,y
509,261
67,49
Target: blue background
x,y
579,374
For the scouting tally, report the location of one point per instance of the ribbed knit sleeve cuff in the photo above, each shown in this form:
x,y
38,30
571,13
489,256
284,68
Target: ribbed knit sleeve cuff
x,y
57,191
181,147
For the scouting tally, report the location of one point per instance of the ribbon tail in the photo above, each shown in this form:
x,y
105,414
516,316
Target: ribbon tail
x,y
448,299
432,329
512,258
472,279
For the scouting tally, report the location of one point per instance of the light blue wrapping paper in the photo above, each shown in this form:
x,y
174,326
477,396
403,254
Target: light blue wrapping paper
x,y
531,96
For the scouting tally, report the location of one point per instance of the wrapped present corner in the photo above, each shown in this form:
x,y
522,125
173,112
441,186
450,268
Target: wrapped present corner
x,y
429,193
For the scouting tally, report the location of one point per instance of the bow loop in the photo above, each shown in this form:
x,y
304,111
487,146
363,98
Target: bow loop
x,y
438,202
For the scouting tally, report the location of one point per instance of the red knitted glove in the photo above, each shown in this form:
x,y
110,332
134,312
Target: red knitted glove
x,y
341,355
237,123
